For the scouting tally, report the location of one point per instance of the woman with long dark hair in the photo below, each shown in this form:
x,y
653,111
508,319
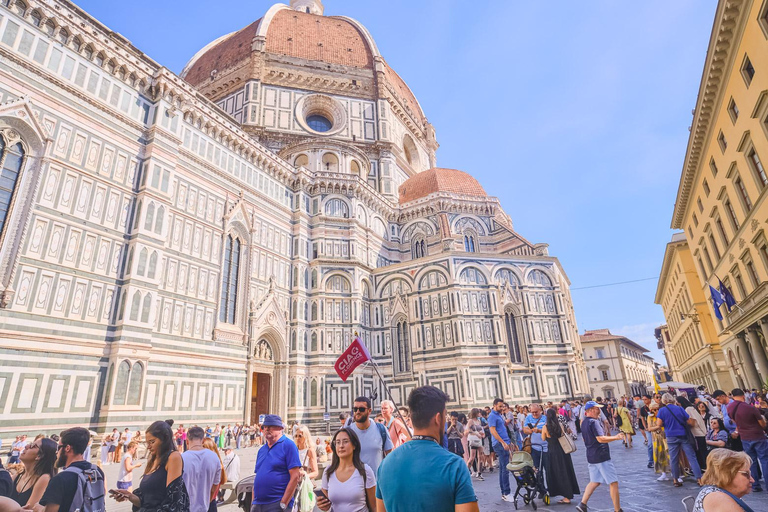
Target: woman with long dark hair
x,y
348,483
161,487
561,477
38,459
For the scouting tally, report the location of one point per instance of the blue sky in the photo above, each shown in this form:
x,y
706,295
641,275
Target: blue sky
x,y
575,114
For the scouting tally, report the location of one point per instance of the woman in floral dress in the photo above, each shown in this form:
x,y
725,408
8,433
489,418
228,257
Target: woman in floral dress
x,y
660,450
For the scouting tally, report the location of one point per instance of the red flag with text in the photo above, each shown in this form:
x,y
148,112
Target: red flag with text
x,y
355,355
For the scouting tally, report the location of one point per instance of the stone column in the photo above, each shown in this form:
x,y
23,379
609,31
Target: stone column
x,y
748,364
758,352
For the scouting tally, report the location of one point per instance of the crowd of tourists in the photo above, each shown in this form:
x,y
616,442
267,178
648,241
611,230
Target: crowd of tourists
x,y
417,457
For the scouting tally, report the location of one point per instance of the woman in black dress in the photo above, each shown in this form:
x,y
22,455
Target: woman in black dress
x,y
161,487
561,477
38,459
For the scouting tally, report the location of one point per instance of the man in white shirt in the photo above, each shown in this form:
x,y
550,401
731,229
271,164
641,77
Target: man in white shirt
x,y
232,467
202,471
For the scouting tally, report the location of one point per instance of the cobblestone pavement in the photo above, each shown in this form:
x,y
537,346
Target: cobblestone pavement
x,y
640,492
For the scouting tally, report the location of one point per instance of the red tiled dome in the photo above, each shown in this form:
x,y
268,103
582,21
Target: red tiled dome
x,y
440,180
293,34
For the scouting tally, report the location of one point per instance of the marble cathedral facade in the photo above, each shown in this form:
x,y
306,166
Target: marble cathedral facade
x,y
202,247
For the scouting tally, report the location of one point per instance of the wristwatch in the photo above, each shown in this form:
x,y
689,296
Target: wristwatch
x,y
283,506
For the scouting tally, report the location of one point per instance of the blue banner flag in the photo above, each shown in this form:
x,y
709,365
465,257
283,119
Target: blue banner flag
x,y
728,297
717,301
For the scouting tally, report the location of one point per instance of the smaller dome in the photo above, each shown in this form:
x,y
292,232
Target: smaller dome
x,y
440,180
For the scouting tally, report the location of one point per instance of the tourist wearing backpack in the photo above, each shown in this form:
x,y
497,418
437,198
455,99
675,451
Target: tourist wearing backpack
x,y
79,485
375,442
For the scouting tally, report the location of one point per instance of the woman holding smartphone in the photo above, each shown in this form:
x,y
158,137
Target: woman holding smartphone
x,y
348,483
161,487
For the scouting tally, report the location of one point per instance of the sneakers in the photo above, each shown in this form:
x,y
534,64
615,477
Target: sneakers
x,y
479,476
663,478
581,507
650,465
505,497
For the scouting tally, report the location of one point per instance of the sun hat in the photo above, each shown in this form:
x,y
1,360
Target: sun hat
x,y
272,420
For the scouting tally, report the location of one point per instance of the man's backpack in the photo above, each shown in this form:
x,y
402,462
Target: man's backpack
x,y
384,435
89,496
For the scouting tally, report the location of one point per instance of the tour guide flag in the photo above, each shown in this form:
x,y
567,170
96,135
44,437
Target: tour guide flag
x,y
353,357
717,301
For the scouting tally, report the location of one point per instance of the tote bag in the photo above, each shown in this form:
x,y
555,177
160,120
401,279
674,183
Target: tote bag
x,y
566,443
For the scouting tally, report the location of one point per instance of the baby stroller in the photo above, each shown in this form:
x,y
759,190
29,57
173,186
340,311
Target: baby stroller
x,y
244,491
530,481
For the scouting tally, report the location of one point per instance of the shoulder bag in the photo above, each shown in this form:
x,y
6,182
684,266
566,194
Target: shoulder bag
x,y
566,443
687,427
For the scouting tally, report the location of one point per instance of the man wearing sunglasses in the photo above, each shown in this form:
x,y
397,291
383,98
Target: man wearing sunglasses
x,y
375,442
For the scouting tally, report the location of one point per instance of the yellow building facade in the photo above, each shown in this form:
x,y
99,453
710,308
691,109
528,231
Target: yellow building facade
x,y
721,201
690,340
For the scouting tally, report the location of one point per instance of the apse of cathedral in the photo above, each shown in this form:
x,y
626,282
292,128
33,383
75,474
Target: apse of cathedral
x,y
203,246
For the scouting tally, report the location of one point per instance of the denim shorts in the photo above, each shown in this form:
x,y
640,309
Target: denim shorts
x,y
124,485
603,473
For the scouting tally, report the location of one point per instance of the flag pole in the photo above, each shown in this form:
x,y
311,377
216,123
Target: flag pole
x,y
386,390
389,395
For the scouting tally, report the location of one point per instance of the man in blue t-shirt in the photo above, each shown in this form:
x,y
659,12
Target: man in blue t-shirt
x,y
601,468
500,440
440,479
277,469
674,419
532,426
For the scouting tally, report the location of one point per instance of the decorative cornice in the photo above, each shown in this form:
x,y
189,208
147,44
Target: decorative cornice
x,y
730,19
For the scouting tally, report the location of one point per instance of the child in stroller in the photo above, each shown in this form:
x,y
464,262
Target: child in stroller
x,y
530,481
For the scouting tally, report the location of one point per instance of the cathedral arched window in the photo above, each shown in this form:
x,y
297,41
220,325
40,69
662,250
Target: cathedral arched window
x,y
141,267
152,265
469,242
149,219
314,342
337,208
313,393
159,221
292,394
301,161
121,383
418,247
293,340
146,307
134,385
135,305
229,280
12,158
513,341
402,352
314,311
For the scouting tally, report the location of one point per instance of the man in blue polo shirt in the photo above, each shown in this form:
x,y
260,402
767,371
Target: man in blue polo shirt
x,y
500,440
277,469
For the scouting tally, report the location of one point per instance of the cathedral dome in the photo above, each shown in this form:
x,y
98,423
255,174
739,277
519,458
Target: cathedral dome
x,y
440,180
297,35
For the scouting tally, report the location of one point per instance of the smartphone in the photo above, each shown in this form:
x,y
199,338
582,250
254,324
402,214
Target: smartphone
x,y
321,493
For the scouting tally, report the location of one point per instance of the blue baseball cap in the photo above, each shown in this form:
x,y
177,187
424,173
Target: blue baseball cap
x,y
591,404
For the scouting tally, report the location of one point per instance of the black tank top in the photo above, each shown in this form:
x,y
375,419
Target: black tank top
x,y
21,497
153,487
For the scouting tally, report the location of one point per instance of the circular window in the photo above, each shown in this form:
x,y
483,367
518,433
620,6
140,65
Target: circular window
x,y
319,123
320,115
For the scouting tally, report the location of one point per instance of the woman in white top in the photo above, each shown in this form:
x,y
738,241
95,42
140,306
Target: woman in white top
x,y
307,452
125,475
699,430
348,483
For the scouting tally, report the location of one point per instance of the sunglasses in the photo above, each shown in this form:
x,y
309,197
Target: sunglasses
x,y
359,409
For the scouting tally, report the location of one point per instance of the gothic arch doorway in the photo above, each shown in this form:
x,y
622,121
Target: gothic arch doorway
x,y
267,378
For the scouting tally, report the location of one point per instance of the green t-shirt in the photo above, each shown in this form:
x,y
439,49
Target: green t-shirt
x,y
422,475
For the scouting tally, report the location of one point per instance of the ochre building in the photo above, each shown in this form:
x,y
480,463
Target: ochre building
x,y
693,347
202,247
616,365
721,200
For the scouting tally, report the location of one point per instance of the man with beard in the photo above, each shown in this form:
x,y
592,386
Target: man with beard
x,y
64,486
420,475
375,442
